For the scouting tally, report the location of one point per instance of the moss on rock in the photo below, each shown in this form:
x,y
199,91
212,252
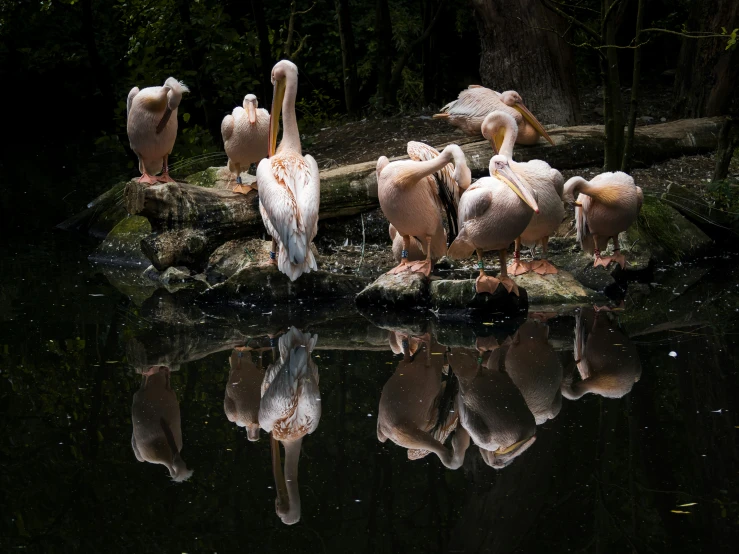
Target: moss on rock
x,y
122,246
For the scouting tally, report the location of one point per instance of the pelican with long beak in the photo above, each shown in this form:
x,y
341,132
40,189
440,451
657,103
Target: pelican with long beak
x,y
245,135
469,110
501,130
151,122
493,212
289,187
290,409
413,195
606,205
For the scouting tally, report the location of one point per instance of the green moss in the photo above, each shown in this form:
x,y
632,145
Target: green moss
x,y
659,225
133,224
206,178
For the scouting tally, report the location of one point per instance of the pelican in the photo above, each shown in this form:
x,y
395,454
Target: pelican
x,y
241,402
289,189
151,128
412,200
493,212
415,251
245,135
493,410
417,410
501,130
289,410
155,414
469,110
535,369
606,359
606,205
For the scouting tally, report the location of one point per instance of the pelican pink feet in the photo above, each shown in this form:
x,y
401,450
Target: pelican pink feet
x,y
605,261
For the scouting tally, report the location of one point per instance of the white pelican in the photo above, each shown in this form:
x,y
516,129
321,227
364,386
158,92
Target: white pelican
x,y
473,104
243,392
155,413
245,135
501,130
412,200
606,205
289,410
493,212
151,128
289,189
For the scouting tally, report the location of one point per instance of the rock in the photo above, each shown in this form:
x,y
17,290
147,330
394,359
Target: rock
x,y
693,207
175,275
397,291
264,285
637,293
233,256
151,273
122,246
454,298
560,288
100,216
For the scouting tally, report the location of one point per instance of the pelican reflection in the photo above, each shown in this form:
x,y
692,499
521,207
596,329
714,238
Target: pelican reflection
x,y
243,391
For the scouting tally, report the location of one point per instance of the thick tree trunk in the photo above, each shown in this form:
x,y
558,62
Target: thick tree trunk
x,y
384,59
635,89
707,73
518,53
265,51
348,61
613,111
430,57
728,140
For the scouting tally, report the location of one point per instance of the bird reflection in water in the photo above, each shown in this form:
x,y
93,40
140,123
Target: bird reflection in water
x,y
418,410
605,357
243,391
155,413
290,409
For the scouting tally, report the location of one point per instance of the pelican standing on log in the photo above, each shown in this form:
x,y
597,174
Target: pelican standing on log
x,y
469,110
151,123
606,205
245,135
289,187
412,200
493,212
501,130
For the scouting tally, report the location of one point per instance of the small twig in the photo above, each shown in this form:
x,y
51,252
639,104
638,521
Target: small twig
x,y
362,258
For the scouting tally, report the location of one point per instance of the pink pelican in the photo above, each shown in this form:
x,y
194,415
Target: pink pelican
x,y
501,130
473,104
412,200
151,128
493,212
289,187
245,135
606,205
290,409
243,392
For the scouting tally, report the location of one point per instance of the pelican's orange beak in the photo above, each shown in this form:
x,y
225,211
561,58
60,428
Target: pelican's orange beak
x,y
524,111
510,179
251,110
274,116
496,141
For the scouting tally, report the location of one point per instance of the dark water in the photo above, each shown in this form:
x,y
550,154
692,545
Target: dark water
x,y
650,470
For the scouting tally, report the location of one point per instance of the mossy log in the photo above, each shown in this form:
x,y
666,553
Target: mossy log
x,y
717,224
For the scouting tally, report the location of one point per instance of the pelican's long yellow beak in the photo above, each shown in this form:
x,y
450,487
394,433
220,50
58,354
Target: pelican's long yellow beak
x,y
510,448
497,140
251,110
510,179
524,111
274,116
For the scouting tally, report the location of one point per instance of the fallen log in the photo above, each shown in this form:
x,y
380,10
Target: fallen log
x,y
716,223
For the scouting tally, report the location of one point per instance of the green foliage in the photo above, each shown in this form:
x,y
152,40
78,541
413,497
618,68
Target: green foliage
x,y
724,195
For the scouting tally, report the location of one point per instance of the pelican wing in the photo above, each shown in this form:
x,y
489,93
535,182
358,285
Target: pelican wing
x,y
474,102
129,100
581,224
476,202
309,198
227,127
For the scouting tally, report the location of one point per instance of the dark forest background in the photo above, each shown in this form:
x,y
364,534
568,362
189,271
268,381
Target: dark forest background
x,y
67,65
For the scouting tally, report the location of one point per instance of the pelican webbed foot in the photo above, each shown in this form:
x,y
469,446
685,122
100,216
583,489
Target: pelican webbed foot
x,y
402,267
423,267
509,285
543,267
148,179
517,267
599,261
486,283
242,189
165,178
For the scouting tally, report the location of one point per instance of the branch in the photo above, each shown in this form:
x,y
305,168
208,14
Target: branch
x,y
688,35
549,5
575,7
608,13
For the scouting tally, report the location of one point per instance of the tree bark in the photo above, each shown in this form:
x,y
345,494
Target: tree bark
x,y
635,89
613,111
348,61
384,59
707,73
265,51
728,139
520,51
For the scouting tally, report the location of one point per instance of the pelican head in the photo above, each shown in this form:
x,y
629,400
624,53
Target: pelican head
x,y
174,89
251,105
283,71
496,126
500,168
513,99
503,456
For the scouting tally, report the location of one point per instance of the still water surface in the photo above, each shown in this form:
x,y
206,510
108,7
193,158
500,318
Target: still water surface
x,y
129,425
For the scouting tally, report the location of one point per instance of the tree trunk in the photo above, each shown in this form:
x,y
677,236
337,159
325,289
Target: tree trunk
x,y
634,104
265,51
613,111
707,73
728,139
518,53
430,57
384,60
348,61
